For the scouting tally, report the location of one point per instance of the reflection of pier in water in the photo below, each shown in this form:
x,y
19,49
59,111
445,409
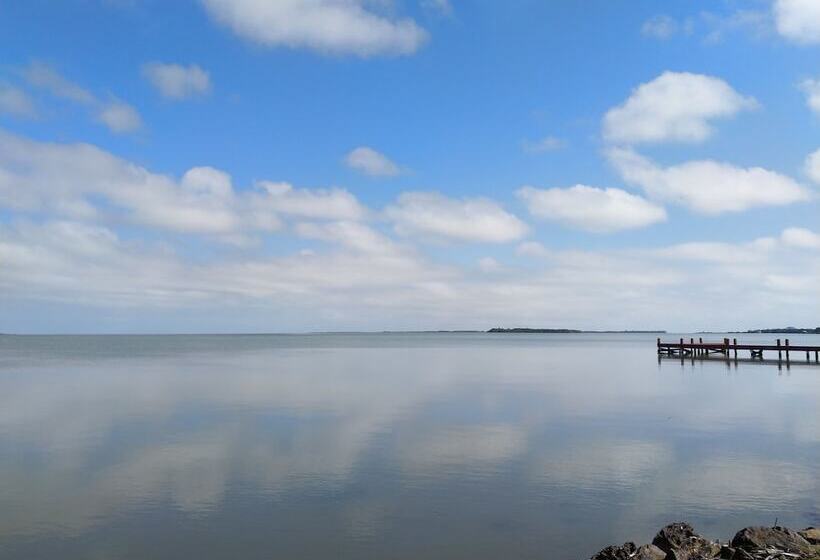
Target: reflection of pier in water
x,y
727,351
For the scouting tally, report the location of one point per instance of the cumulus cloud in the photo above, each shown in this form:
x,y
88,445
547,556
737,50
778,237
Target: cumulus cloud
x,y
813,166
328,26
801,237
674,107
352,235
119,117
434,215
592,209
328,204
798,20
67,200
812,90
532,249
14,101
708,187
370,162
70,180
175,81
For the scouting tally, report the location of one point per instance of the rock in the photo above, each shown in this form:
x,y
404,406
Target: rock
x,y
680,542
649,552
780,538
673,536
811,534
623,552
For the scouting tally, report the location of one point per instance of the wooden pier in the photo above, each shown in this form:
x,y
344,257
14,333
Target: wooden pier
x,y
730,348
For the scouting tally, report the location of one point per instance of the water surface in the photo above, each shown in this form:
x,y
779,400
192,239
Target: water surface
x,y
392,446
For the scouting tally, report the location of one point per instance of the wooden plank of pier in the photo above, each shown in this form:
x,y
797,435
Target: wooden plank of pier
x,y
700,348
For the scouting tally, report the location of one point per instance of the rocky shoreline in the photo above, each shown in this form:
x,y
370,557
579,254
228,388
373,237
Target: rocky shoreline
x,y
679,541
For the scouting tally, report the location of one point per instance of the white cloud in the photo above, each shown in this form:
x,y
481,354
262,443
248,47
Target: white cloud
x,y
812,90
546,144
367,281
67,199
708,187
488,265
798,20
470,219
44,76
659,27
532,249
327,204
592,209
756,251
801,238
70,180
370,162
675,106
329,26
16,102
813,166
119,117
352,235
175,81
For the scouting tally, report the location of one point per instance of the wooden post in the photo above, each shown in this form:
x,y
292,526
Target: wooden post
x,y
701,351
787,351
779,351
735,343
726,346
659,345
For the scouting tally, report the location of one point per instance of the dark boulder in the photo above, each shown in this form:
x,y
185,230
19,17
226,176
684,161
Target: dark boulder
x,y
623,552
780,538
628,551
680,542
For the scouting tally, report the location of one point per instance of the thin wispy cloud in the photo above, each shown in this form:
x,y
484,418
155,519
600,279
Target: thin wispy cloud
x,y
117,115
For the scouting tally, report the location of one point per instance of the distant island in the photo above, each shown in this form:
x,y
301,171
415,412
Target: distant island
x,y
787,330
520,330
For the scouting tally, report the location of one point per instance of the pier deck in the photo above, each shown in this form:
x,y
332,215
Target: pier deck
x,y
727,347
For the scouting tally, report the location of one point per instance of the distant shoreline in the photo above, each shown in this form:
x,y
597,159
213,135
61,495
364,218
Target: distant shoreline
x,y
520,330
494,330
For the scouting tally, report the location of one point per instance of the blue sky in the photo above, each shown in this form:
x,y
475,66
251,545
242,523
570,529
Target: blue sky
x,y
292,165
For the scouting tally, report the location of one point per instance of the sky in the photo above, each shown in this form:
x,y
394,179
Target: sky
x,y
335,165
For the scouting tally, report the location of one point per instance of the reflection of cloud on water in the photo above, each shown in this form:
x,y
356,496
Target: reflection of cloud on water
x,y
464,447
733,483
276,423
103,438
602,464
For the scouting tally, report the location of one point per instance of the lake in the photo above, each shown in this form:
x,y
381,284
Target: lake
x,y
401,446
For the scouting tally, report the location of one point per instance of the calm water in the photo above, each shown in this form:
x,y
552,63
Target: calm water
x,y
457,446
